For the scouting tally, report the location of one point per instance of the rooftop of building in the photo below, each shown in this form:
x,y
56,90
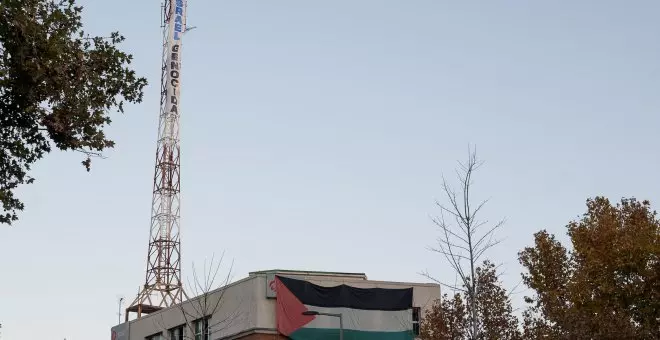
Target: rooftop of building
x,y
320,275
308,273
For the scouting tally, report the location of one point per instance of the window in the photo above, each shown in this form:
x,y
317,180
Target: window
x,y
176,333
202,331
157,336
415,319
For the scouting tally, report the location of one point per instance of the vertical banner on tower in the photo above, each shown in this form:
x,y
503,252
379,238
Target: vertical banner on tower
x,y
176,28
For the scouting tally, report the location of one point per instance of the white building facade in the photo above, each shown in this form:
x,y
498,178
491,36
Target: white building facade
x,y
246,309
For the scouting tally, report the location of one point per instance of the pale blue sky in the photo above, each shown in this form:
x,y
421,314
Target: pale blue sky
x,y
314,135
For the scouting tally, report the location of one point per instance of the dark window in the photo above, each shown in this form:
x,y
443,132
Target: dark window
x,y
415,319
158,336
176,333
202,331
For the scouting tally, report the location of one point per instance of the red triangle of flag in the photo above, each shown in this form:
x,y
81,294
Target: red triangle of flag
x,y
289,310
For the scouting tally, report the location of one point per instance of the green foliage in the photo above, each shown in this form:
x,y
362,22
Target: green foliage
x,y
57,87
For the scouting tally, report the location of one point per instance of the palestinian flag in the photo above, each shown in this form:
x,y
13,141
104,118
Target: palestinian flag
x,y
367,313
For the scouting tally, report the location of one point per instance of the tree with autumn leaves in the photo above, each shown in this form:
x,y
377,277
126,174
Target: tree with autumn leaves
x,y
479,308
451,317
605,285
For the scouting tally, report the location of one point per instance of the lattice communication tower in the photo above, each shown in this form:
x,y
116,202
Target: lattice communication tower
x,y
163,285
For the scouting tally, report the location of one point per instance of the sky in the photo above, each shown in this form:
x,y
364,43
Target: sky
x,y
315,134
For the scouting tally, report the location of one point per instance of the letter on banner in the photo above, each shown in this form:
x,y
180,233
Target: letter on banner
x,y
176,27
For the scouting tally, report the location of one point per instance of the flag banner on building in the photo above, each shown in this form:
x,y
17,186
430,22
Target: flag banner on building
x,y
367,313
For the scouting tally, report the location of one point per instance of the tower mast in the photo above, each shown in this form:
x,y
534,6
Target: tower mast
x,y
163,285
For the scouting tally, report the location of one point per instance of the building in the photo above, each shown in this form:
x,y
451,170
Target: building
x,y
246,309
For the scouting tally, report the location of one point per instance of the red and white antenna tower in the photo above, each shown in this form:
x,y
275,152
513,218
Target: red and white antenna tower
x,y
163,285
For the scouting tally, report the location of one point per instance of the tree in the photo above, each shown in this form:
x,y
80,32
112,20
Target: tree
x,y
208,299
450,318
57,87
607,286
463,243
447,320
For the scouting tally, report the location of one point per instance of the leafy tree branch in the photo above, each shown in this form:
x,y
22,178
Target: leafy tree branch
x,y
58,86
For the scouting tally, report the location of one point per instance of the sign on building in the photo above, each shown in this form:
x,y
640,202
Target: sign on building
x,y
120,332
270,286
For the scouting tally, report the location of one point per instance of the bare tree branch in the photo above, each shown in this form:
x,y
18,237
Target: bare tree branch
x,y
463,242
454,287
208,300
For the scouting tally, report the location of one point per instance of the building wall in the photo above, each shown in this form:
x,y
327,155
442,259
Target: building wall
x,y
244,308
263,337
236,312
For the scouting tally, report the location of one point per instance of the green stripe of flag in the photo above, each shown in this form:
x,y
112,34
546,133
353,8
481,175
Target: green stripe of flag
x,y
349,334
